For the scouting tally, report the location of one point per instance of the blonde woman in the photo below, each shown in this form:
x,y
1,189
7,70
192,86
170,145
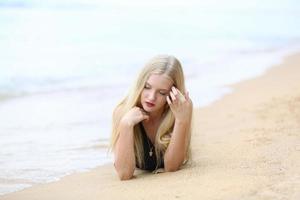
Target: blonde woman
x,y
151,125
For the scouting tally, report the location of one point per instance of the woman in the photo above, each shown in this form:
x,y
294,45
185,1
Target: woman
x,y
151,125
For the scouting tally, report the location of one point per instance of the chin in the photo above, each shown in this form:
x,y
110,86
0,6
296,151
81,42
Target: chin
x,y
147,109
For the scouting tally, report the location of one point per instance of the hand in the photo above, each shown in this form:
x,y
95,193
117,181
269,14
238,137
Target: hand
x,y
134,116
181,105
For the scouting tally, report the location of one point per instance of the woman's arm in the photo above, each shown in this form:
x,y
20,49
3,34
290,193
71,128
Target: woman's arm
x,y
124,148
124,152
177,150
178,147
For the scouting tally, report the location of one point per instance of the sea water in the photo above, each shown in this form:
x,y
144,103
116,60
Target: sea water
x,y
65,64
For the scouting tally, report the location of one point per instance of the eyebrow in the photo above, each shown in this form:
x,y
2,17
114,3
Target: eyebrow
x,y
162,89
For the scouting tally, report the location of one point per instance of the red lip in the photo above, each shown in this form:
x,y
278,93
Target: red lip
x,y
150,104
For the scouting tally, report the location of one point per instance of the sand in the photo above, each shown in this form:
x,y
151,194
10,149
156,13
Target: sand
x,y
244,146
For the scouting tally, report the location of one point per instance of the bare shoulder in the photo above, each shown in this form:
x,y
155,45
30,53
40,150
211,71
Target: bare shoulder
x,y
117,112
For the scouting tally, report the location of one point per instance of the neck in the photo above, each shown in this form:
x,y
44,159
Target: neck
x,y
156,116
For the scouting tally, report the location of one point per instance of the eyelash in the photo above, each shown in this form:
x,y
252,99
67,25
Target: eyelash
x,y
161,93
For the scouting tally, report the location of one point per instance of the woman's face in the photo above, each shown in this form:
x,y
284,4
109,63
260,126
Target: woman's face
x,y
155,92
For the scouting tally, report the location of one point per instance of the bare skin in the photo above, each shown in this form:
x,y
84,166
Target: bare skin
x,y
157,94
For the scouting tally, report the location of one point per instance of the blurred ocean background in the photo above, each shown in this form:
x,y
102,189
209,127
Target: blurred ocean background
x,y
64,64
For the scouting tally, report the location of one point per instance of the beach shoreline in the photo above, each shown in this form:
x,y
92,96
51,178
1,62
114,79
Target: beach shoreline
x,y
248,138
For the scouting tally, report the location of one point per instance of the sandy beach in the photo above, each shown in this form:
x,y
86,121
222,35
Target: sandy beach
x,y
244,146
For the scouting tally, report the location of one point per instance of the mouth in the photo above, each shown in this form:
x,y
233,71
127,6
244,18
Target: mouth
x,y
150,104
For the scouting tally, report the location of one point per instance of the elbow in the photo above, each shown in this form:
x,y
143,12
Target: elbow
x,y
172,166
124,174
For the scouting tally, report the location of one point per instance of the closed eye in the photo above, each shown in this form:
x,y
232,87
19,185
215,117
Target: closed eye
x,y
163,93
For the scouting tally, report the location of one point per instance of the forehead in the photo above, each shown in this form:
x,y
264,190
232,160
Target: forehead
x,y
160,81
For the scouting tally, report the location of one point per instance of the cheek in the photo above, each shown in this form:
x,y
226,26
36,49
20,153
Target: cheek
x,y
142,95
162,100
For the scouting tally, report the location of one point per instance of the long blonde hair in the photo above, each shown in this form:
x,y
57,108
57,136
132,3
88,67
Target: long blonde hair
x,y
161,64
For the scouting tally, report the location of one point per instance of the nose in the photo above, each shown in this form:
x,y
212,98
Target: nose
x,y
151,95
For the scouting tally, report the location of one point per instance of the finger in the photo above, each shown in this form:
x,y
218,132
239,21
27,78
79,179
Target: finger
x,y
145,112
186,95
172,96
178,94
169,100
174,90
142,110
146,117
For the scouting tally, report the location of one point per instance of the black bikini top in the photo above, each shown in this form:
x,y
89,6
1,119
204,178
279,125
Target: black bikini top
x,y
149,153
